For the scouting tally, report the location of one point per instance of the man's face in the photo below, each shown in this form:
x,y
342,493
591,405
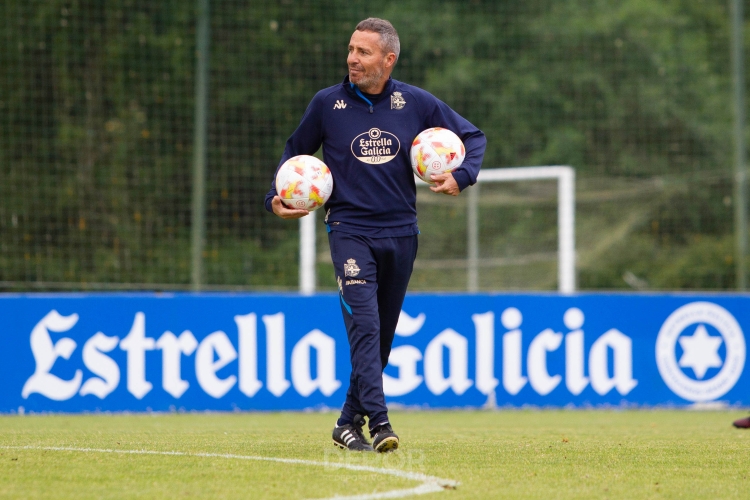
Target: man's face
x,y
367,62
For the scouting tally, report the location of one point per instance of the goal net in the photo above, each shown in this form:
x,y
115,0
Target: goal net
x,y
513,230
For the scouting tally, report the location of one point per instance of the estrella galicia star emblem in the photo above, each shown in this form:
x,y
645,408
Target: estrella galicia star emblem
x,y
700,351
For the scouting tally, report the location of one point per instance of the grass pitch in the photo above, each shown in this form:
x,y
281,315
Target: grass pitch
x,y
494,454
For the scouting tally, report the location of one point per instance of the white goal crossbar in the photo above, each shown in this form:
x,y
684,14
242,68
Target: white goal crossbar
x,y
566,253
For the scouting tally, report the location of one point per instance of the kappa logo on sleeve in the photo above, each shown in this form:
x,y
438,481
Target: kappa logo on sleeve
x,y
340,104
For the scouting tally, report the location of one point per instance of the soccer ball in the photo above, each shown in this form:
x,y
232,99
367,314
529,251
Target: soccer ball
x,y
304,182
436,151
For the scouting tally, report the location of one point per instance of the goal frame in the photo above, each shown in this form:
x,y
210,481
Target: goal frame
x,y
566,249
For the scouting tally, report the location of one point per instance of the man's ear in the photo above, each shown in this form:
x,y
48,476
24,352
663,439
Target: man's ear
x,y
390,60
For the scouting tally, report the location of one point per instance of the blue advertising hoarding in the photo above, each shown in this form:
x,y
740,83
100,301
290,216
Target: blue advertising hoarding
x,y
162,352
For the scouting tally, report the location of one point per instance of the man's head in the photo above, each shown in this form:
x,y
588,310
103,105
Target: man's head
x,y
373,51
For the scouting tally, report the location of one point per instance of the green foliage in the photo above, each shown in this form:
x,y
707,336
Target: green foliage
x,y
96,114
679,237
94,178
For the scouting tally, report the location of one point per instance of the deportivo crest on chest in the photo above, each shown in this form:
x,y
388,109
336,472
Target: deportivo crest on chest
x,y
351,268
397,101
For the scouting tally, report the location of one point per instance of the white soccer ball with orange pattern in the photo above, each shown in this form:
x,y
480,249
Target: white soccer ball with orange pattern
x,y
436,151
304,182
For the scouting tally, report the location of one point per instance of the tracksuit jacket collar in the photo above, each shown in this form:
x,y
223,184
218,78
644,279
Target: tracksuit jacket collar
x,y
373,98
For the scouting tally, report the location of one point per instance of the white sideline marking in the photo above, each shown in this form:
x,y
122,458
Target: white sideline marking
x,y
430,484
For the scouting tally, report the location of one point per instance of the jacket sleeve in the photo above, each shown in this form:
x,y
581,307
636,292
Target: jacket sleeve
x,y
306,140
441,115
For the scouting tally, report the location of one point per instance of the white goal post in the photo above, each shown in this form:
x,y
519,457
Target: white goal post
x,y
566,253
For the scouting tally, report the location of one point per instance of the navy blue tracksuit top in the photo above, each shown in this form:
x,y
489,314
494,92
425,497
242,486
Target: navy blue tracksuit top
x,y
366,141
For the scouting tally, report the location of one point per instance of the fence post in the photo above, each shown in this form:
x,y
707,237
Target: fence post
x,y
472,247
740,156
198,223
566,193
307,253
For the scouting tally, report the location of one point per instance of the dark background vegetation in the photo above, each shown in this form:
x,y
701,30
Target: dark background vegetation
x,y
96,130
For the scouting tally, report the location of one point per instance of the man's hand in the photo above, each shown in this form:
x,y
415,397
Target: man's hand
x,y
285,212
445,183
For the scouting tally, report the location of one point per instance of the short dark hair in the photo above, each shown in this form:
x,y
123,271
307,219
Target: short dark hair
x,y
388,36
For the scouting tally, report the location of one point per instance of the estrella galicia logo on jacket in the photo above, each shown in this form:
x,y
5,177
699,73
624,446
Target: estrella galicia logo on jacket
x,y
351,268
693,327
375,146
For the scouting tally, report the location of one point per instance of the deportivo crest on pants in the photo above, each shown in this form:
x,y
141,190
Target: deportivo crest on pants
x,y
351,268
397,101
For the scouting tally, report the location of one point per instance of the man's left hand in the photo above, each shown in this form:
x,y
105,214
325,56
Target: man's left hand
x,y
445,183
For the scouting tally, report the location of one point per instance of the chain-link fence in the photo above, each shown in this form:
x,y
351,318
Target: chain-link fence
x,y
97,112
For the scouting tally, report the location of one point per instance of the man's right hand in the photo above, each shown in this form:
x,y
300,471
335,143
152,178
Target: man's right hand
x,y
285,212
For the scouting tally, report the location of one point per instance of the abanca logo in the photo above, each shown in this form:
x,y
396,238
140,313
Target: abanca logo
x,y
375,146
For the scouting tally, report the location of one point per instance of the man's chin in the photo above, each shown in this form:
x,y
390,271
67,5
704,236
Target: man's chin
x,y
364,84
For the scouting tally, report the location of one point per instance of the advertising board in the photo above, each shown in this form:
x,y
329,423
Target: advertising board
x,y
225,352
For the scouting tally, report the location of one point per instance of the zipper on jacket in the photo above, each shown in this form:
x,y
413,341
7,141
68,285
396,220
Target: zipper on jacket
x,y
360,94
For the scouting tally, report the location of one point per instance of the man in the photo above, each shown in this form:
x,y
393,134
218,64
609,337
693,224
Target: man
x,y
366,126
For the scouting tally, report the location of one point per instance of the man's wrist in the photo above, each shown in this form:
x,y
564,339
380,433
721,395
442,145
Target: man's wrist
x,y
462,178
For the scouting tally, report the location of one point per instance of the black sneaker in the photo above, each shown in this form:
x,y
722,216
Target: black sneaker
x,y
384,439
350,436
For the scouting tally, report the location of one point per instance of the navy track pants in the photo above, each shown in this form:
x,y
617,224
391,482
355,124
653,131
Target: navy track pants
x,y
372,274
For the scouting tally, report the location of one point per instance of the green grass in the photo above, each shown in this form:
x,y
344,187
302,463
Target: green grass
x,y
502,454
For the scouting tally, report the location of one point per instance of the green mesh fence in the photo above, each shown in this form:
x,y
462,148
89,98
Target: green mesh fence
x,y
97,105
